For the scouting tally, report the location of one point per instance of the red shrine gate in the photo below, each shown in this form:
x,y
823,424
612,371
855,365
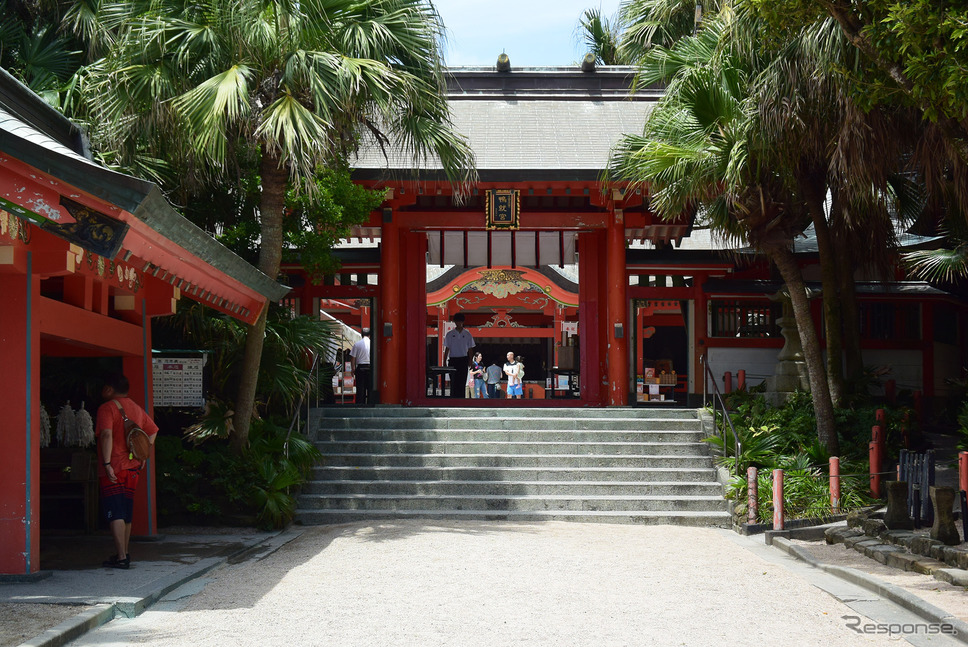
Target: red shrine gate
x,y
559,221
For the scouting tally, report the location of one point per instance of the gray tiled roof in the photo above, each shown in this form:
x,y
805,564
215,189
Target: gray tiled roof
x,y
532,135
11,124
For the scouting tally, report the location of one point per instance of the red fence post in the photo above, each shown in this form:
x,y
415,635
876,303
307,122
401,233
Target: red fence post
x,y
728,382
875,449
777,499
741,380
753,492
905,435
834,485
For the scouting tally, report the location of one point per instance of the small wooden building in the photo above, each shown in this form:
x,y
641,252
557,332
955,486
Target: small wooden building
x,y
87,257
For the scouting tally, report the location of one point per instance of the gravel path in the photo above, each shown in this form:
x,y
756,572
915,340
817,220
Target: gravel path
x,y
488,584
21,622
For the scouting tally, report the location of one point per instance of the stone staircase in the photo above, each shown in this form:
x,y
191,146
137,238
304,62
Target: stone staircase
x,y
606,465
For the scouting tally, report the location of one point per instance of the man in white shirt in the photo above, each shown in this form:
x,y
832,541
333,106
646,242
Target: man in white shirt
x,y
360,364
458,344
512,369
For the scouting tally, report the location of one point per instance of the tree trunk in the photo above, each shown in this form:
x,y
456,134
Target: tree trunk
x,y
813,189
850,312
272,203
822,404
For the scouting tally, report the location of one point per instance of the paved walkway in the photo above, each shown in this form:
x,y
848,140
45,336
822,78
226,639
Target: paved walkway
x,y
479,583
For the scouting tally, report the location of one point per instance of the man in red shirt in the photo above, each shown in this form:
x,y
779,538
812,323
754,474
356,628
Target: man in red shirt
x,y
118,470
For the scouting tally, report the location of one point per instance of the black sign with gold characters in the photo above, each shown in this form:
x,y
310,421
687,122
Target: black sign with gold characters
x,y
503,207
91,230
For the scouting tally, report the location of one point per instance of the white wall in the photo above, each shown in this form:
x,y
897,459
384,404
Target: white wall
x,y
947,364
759,363
905,367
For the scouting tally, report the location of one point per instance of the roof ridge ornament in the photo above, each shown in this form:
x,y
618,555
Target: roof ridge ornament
x,y
503,63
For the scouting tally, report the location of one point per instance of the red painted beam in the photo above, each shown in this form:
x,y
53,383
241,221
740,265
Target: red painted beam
x,y
474,220
63,321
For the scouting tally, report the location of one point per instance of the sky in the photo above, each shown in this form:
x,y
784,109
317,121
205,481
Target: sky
x,y
530,32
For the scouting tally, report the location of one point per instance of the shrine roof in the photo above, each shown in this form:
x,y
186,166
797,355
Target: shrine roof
x,y
36,134
526,121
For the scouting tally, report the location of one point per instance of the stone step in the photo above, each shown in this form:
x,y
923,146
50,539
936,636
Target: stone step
x,y
526,464
502,488
509,423
684,518
486,503
645,448
477,473
574,461
481,412
384,434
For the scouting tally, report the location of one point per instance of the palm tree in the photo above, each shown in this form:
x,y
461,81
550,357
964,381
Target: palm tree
x,y
699,148
601,37
296,84
651,23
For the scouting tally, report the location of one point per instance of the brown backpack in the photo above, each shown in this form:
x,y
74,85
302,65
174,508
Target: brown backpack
x,y
139,445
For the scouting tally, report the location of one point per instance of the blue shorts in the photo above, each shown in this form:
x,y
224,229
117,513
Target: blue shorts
x,y
515,389
117,498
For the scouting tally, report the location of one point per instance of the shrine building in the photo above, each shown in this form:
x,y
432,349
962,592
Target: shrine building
x,y
88,257
599,295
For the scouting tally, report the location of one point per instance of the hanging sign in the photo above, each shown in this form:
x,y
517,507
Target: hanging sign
x,y
92,230
503,208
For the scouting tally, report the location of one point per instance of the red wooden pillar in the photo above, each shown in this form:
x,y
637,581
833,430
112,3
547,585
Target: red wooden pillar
x,y
591,314
138,371
700,334
20,412
414,357
618,320
391,311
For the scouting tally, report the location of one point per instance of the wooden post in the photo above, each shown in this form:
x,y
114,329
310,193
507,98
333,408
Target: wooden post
x,y
391,337
876,451
963,471
728,382
20,412
753,498
777,499
834,485
617,308
741,380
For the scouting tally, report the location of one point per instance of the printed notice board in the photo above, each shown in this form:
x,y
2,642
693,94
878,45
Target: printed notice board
x,y
178,381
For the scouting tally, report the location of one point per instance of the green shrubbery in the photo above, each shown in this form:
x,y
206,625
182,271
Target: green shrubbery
x,y
785,438
200,479
207,484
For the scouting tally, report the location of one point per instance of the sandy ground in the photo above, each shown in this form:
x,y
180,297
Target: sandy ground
x,y
21,622
488,584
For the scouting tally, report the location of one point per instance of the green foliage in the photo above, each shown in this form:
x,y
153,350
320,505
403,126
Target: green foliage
x,y
319,218
602,37
806,493
284,371
206,483
963,427
785,438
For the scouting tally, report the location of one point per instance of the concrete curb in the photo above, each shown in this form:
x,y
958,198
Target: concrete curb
x,y
893,593
73,628
133,606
